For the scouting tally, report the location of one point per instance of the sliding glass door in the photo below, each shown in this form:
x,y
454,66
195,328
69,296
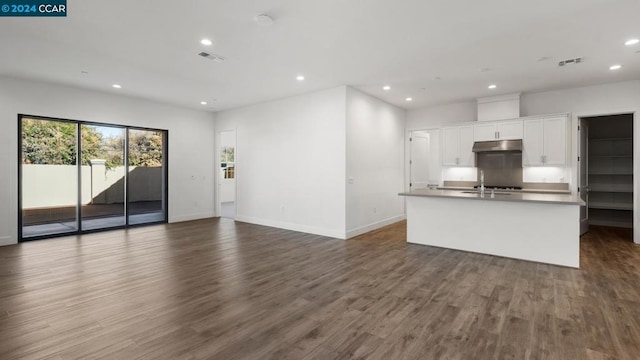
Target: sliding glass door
x,y
147,183
102,176
49,177
77,176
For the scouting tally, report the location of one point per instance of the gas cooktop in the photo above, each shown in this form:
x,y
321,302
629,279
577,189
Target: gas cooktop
x,y
496,187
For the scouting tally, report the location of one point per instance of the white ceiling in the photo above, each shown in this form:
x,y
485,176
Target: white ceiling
x,y
150,47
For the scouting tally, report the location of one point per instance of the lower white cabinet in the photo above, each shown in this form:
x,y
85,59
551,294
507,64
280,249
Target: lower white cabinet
x,y
457,145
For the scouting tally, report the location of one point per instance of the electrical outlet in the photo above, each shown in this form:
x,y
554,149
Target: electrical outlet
x,y
375,210
282,209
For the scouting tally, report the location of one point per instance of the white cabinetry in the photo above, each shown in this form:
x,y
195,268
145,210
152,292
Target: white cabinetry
x,y
504,130
544,142
457,145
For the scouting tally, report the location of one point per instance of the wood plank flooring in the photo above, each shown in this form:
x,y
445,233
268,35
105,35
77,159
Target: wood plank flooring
x,y
216,289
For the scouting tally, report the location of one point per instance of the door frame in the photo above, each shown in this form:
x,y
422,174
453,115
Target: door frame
x,y
583,155
636,157
216,183
407,152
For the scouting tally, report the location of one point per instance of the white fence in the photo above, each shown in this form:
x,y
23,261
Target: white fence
x,y
57,185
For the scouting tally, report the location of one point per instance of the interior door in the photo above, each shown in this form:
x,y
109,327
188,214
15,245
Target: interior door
x,y
419,160
424,164
583,169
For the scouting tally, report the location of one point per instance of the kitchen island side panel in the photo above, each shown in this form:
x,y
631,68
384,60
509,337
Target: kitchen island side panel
x,y
547,233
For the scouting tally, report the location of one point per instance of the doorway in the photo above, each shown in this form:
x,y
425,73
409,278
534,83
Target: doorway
x,y
77,176
227,174
424,159
607,171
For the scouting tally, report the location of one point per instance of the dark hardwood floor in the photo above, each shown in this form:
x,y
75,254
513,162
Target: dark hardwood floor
x,y
215,289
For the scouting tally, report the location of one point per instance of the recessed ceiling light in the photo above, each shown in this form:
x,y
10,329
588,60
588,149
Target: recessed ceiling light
x,y
203,103
300,78
492,86
117,86
632,42
206,42
386,88
409,99
615,67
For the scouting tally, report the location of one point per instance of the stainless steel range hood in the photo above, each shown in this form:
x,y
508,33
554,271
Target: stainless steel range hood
x,y
499,145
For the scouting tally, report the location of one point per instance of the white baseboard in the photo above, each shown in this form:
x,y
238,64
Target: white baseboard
x,y
189,217
8,240
374,226
291,226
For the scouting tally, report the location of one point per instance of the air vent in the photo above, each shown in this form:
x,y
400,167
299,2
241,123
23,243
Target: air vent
x,y
216,58
570,61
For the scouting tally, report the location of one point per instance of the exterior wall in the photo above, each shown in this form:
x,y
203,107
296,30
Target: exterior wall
x,y
56,185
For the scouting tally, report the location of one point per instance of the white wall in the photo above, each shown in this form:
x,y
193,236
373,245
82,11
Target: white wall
x,y
375,163
442,115
191,136
597,99
290,162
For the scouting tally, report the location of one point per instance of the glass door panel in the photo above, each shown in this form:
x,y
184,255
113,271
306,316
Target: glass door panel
x,y
147,182
102,176
49,177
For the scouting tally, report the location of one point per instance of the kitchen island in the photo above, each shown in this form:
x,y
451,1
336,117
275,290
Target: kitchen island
x,y
528,226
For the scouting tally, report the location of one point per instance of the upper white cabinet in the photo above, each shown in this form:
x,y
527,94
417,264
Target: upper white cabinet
x,y
457,145
504,130
544,142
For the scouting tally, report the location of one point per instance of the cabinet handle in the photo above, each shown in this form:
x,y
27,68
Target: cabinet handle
x,y
541,159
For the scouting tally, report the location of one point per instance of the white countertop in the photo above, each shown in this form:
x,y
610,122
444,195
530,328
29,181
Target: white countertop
x,y
547,198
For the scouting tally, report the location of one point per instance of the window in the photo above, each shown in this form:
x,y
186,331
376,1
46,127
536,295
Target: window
x,y
227,162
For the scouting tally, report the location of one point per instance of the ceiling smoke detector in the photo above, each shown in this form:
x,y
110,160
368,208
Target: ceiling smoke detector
x,y
577,60
263,19
216,58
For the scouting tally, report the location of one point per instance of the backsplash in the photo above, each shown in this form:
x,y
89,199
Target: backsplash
x,y
502,168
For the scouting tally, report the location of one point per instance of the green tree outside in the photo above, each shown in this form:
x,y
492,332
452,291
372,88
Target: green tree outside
x,y
54,143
